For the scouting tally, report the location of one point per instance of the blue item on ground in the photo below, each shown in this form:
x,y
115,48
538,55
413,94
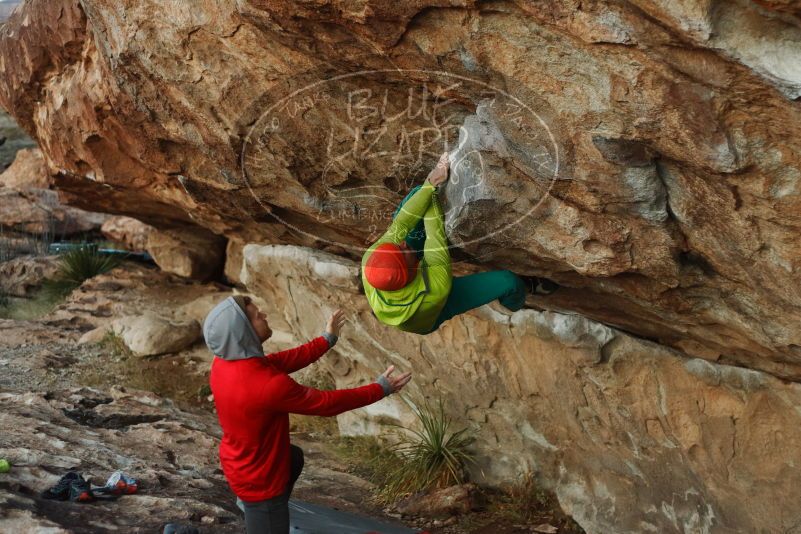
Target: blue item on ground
x,y
60,248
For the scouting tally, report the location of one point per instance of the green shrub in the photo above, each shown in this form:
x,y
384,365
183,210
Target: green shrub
x,y
4,300
76,266
434,456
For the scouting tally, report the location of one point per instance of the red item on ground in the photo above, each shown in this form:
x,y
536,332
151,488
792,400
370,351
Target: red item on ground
x,y
254,398
385,268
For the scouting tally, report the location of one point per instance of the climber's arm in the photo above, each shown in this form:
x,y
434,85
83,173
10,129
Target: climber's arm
x,y
408,216
435,251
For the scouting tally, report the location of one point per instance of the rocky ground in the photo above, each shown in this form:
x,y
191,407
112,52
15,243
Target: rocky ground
x,y
53,424
73,400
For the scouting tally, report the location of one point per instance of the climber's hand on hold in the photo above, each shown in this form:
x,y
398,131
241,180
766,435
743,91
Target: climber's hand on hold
x,y
393,384
335,323
439,174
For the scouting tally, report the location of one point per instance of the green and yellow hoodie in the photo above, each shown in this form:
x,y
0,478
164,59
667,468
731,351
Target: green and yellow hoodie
x,y
415,307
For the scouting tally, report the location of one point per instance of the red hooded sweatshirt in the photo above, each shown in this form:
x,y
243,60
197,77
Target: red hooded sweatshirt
x,y
254,397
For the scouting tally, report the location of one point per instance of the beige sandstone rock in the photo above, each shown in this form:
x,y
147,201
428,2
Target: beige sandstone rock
x,y
672,213
150,334
632,436
94,335
129,232
198,309
442,503
195,254
38,211
28,170
233,260
19,276
673,125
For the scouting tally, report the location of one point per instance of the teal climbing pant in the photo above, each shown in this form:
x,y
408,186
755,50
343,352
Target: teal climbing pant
x,y
472,291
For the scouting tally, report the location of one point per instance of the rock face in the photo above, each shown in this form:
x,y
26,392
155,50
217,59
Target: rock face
x,y
443,503
38,211
197,254
28,170
31,214
12,138
19,276
172,454
150,335
127,231
645,155
632,436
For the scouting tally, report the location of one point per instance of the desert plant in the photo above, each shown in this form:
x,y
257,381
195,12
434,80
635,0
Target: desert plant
x,y
368,457
115,345
76,266
434,456
4,300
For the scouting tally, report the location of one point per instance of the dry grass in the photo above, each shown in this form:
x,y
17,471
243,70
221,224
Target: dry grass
x,y
525,502
27,309
521,501
168,377
324,428
368,458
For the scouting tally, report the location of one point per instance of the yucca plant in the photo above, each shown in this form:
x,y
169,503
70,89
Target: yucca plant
x,y
432,457
76,266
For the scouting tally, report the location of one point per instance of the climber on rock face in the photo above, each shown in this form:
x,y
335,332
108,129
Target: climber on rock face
x,y
407,273
254,396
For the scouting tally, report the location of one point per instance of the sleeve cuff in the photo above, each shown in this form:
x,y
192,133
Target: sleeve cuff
x,y
331,338
384,383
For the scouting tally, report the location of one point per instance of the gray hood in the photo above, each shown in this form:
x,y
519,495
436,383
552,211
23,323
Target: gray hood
x,y
229,334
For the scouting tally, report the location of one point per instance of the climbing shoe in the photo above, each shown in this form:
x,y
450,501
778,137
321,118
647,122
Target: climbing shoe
x,y
118,484
540,286
81,490
61,490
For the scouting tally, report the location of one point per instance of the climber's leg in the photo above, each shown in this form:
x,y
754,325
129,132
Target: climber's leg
x,y
417,237
472,291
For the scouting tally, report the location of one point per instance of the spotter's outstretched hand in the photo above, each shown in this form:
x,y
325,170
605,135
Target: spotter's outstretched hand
x,y
335,323
396,383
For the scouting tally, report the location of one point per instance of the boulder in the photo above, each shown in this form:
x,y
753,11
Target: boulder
x,y
20,276
149,334
644,155
28,170
630,435
192,253
233,260
198,309
127,231
442,503
38,211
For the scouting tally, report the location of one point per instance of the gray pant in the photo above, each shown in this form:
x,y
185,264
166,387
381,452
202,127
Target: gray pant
x,y
271,516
